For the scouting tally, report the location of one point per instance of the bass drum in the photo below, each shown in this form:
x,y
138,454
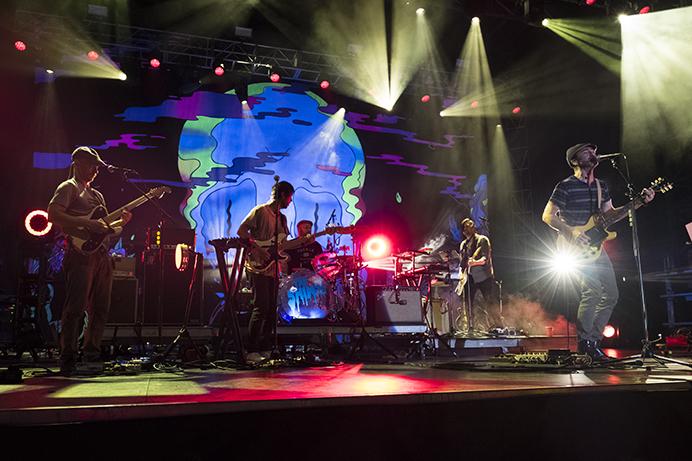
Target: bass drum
x,y
304,295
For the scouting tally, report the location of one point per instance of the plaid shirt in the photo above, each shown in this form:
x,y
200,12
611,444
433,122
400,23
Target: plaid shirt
x,y
578,200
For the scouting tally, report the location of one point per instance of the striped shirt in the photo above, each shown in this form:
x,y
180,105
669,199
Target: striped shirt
x,y
578,200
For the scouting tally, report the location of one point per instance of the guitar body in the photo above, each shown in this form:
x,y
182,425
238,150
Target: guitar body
x,y
88,242
596,234
261,260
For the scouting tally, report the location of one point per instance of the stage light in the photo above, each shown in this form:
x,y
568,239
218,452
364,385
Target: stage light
x,y
442,114
92,55
376,247
474,104
622,17
243,102
50,71
324,84
275,77
475,20
609,331
645,9
516,110
219,70
499,125
122,76
545,22
420,11
425,98
154,63
590,2
563,262
36,223
183,253
20,45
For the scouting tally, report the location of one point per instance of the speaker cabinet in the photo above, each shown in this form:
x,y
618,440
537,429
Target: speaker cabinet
x,y
123,301
390,306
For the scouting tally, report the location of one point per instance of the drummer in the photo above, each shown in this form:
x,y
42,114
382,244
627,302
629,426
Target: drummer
x,y
301,258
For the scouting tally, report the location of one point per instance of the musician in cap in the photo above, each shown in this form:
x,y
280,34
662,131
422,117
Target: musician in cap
x,y
574,200
89,277
302,256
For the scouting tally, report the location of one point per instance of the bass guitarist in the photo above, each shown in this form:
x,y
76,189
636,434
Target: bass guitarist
x,y
89,277
260,225
573,202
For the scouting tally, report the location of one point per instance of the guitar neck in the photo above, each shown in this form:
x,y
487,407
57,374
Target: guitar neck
x,y
611,217
115,215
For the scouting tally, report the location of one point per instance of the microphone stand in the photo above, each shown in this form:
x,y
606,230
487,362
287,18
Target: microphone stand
x,y
647,351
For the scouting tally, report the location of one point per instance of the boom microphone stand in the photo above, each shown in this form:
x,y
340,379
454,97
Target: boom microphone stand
x,y
647,351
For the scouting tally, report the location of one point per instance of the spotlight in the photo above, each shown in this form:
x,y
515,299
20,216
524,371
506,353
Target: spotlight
x,y
275,77
474,104
92,55
154,63
622,17
475,20
609,331
376,247
122,76
590,2
50,71
498,125
420,11
20,45
516,110
645,9
219,70
563,262
442,114
425,98
36,223
324,84
243,102
545,22
182,256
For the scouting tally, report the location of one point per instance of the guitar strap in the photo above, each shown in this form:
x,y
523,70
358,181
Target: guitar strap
x,y
598,194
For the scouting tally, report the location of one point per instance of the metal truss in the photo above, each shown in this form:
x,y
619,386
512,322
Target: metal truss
x,y
122,42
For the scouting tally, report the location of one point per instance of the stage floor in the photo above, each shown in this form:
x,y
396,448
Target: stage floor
x,y
44,400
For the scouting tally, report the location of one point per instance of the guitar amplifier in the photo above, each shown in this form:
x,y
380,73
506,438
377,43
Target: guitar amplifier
x,y
124,297
392,306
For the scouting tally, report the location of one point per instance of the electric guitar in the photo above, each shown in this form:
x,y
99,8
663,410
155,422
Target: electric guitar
x,y
596,228
87,242
262,255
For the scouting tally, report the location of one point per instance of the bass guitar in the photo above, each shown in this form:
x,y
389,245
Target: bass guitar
x,y
262,255
596,228
87,242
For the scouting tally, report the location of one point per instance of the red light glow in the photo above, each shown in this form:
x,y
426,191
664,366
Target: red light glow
x,y
377,246
20,45
516,110
609,331
645,10
92,55
219,70
275,77
324,84
155,63
37,224
474,104
590,2
425,98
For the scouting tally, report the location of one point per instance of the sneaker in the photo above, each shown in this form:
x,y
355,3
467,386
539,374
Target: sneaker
x,y
254,357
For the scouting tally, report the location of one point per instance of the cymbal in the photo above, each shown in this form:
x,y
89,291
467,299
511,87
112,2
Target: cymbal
x,y
409,254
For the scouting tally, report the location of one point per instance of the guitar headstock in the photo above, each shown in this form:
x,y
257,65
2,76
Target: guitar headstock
x,y
661,185
341,230
159,192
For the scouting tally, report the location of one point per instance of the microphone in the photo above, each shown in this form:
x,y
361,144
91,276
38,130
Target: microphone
x,y
117,169
605,156
276,178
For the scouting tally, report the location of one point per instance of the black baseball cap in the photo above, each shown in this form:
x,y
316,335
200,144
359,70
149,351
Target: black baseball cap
x,y
89,154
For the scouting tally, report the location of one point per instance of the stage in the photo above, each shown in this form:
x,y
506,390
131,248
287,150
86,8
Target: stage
x,y
343,410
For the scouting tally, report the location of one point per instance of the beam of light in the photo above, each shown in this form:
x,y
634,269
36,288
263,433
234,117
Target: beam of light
x,y
360,23
597,38
502,175
474,80
657,84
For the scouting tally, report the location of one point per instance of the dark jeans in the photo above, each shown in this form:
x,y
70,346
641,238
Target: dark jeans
x,y
263,317
89,279
488,289
599,294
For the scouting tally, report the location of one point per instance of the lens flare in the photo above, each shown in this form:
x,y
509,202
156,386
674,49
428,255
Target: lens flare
x,y
376,247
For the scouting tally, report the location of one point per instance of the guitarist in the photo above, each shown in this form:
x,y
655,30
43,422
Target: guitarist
x,y
573,201
476,268
260,224
88,277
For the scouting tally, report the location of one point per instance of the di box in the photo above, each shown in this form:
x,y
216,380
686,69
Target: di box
x,y
393,306
124,297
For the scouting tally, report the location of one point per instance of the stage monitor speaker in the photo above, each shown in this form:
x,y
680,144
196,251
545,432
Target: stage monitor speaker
x,y
390,306
124,297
